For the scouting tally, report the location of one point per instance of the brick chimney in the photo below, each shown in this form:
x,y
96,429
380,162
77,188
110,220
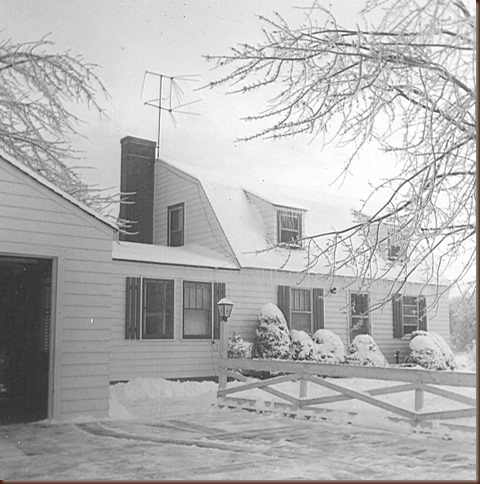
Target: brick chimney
x,y
138,176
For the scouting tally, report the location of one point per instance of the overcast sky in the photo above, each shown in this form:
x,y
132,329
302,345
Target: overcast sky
x,y
128,37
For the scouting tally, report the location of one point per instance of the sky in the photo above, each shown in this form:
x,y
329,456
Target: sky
x,y
126,38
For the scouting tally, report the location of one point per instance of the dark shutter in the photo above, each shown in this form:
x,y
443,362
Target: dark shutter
x,y
219,292
422,313
169,309
318,309
284,301
397,316
133,304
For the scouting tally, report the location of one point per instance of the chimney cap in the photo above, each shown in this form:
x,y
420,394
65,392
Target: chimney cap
x,y
138,141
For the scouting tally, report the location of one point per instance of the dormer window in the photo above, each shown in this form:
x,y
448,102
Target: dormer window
x,y
393,252
176,219
289,227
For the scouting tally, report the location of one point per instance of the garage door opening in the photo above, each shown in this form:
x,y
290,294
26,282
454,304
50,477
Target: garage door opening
x,y
25,324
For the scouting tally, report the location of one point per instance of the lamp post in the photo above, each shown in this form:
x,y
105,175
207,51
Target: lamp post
x,y
225,307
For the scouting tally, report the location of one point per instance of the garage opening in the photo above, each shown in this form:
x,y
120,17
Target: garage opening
x,y
25,324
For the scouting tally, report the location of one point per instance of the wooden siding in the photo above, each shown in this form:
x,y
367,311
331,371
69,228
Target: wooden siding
x,y
201,225
269,216
37,222
249,289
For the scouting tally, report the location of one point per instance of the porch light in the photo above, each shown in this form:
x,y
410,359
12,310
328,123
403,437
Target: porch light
x,y
225,307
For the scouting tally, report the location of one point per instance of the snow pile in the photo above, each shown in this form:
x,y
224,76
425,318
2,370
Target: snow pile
x,y
156,397
272,337
429,350
329,347
238,348
303,347
364,351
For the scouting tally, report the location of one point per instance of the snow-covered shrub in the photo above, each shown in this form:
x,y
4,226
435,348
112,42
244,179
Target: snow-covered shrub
x,y
302,345
272,337
426,351
364,351
329,347
237,348
447,352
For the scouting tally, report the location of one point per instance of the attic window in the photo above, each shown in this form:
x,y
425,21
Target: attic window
x,y
393,252
289,227
176,225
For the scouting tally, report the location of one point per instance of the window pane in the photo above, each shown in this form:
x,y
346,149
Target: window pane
x,y
300,300
197,323
359,326
301,321
158,310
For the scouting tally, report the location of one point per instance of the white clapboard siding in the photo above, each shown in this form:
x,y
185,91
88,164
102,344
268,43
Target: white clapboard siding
x,y
269,216
249,289
201,225
37,222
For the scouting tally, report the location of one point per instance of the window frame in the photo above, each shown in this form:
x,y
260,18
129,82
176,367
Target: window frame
x,y
180,207
421,314
145,313
289,212
365,317
295,311
210,335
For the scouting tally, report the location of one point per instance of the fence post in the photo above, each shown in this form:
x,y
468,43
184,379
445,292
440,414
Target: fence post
x,y
222,376
419,398
303,387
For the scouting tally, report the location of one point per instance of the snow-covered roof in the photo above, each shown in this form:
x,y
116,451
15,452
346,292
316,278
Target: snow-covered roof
x,y
187,255
40,179
244,227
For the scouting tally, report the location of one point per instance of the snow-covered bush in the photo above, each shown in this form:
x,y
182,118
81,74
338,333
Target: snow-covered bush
x,y
447,352
272,337
237,348
429,350
364,351
303,347
329,347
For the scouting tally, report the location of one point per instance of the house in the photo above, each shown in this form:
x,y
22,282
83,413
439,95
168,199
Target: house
x,y
55,297
196,240
83,306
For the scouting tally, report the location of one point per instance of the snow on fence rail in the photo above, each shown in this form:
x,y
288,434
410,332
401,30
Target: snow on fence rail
x,y
417,380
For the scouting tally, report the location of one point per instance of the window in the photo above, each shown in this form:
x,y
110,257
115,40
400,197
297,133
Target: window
x,y
393,252
197,310
359,316
157,321
409,315
289,226
176,221
303,308
149,309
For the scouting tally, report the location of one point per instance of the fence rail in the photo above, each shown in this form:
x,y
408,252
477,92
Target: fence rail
x,y
417,380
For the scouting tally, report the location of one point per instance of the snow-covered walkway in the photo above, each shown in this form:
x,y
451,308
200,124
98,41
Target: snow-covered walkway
x,y
230,444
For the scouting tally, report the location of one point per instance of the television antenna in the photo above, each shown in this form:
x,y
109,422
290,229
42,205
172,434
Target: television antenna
x,y
171,102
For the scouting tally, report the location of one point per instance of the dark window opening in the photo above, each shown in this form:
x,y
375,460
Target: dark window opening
x,y
157,309
176,224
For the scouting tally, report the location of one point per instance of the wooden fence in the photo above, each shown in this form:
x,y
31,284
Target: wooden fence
x,y
417,380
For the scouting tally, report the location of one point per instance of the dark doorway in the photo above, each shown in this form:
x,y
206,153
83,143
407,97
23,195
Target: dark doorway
x,y
25,322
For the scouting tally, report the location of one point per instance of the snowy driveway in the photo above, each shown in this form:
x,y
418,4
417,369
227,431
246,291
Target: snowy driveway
x,y
230,444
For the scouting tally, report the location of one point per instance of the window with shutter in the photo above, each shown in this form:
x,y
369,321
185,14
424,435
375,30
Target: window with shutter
x,y
303,308
149,309
359,315
409,315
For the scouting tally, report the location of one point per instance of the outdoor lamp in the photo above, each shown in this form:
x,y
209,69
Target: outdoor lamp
x,y
225,307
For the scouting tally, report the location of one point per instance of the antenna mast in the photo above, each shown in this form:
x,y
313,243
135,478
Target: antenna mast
x,y
165,103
